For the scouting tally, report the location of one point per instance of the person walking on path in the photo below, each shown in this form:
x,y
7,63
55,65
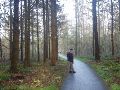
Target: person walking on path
x,y
70,58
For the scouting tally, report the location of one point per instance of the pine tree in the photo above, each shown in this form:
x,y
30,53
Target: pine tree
x,y
95,32
53,33
15,46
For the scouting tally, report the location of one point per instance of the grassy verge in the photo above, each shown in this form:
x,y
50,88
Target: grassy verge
x,y
25,87
110,72
84,58
37,77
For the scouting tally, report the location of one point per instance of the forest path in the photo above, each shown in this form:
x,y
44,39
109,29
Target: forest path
x,y
84,78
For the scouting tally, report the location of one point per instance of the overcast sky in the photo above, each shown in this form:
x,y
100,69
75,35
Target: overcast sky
x,y
69,9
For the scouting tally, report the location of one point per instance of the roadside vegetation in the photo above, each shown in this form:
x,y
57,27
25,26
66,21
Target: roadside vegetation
x,y
108,70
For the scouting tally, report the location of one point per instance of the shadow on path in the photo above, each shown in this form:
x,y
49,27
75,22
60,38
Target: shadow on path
x,y
84,78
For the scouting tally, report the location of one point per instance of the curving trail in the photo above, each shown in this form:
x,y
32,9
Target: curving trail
x,y
84,78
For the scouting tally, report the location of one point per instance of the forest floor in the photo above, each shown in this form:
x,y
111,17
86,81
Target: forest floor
x,y
37,77
108,70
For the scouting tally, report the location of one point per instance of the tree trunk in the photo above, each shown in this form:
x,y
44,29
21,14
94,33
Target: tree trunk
x,y
44,27
53,32
27,34
15,54
38,34
99,21
11,31
97,56
119,14
93,43
47,29
32,32
76,32
1,51
112,37
21,27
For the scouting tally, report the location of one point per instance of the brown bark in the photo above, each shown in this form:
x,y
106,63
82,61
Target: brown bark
x,y
119,13
99,21
32,32
112,37
95,32
47,29
53,33
21,27
76,32
1,51
93,43
38,34
11,37
15,54
44,27
27,34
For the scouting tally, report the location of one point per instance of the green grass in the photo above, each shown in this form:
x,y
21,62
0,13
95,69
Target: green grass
x,y
110,72
25,87
52,87
25,70
4,75
84,58
4,66
115,87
